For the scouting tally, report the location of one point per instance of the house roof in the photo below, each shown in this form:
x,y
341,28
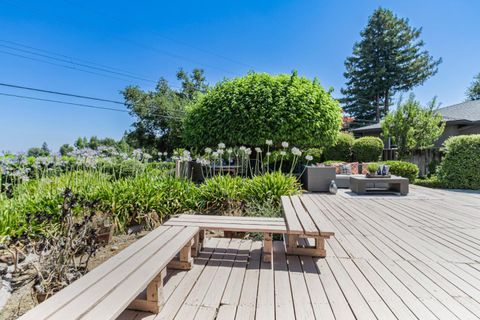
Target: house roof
x,y
468,111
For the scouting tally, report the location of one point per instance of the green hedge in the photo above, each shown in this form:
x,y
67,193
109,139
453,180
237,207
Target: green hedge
x,y
460,167
342,150
403,169
251,109
367,149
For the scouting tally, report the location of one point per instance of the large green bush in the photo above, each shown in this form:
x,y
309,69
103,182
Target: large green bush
x,y
460,167
403,169
251,109
342,149
367,149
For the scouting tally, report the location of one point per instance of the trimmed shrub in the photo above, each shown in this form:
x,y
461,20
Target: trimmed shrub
x,y
367,149
430,182
316,153
342,150
251,109
403,169
460,167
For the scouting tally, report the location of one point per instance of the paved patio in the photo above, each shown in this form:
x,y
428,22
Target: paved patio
x,y
413,257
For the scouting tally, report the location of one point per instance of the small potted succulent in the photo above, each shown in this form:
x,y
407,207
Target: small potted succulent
x,y
377,171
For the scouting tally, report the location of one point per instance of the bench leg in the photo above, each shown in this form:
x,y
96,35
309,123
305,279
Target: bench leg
x,y
185,260
267,247
153,300
198,243
318,250
291,243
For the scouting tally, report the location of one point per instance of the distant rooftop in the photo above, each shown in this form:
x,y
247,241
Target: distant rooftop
x,y
466,111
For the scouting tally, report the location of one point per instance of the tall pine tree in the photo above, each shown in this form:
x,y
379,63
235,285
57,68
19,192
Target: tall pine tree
x,y
389,58
473,92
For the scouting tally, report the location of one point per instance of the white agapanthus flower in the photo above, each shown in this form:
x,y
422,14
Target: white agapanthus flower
x,y
248,151
229,150
285,144
220,151
283,153
269,142
214,154
242,148
208,150
221,145
165,153
258,150
186,153
296,151
309,157
268,154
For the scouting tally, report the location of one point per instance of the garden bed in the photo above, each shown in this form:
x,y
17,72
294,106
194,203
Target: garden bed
x,y
22,299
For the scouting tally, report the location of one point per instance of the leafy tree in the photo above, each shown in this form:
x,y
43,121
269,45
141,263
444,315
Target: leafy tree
x,y
192,84
81,143
251,109
412,126
390,58
159,114
39,152
473,92
45,148
65,149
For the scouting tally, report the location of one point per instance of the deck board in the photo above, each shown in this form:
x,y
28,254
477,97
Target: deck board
x,y
413,257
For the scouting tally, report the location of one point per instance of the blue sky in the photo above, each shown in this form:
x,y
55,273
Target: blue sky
x,y
227,38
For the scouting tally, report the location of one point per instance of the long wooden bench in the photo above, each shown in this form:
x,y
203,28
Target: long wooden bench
x,y
267,226
304,220
131,279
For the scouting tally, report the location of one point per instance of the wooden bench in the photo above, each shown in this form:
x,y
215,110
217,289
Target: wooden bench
x,y
131,279
267,226
304,220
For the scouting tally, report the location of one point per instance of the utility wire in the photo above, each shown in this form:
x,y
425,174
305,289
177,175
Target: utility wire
x,y
60,93
183,43
63,102
62,65
164,52
179,112
71,59
77,104
76,63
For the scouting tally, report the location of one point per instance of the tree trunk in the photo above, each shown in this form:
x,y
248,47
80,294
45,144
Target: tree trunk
x,y
386,102
377,105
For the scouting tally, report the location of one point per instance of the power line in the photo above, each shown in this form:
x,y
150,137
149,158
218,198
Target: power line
x,y
183,43
71,59
76,63
60,93
81,105
62,65
179,112
63,102
164,52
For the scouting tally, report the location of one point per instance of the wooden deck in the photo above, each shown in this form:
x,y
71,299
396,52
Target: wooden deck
x,y
413,257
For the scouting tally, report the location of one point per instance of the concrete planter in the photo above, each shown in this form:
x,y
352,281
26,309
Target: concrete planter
x,y
317,179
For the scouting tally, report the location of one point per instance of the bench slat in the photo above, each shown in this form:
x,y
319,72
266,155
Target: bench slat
x,y
92,294
229,226
69,293
254,220
304,218
233,220
317,216
118,299
293,224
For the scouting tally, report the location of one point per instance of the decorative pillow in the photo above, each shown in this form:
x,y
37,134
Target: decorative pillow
x,y
346,169
354,166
